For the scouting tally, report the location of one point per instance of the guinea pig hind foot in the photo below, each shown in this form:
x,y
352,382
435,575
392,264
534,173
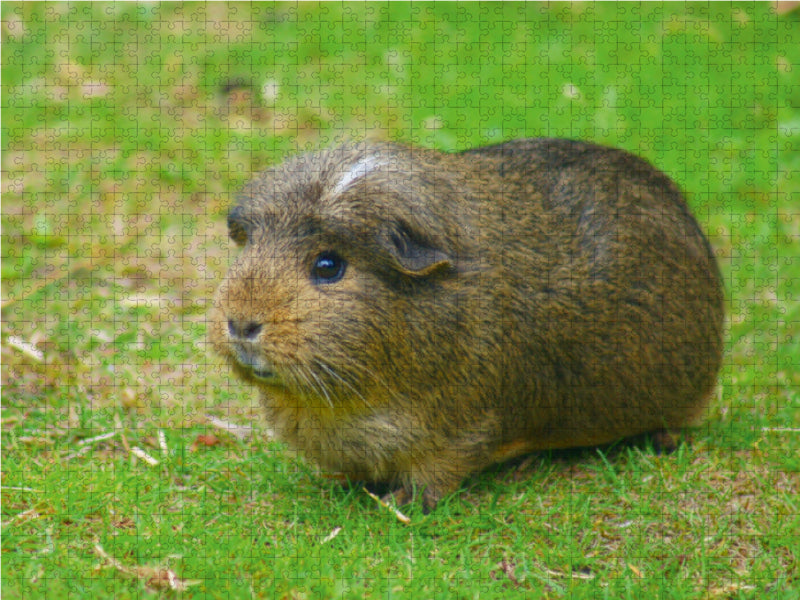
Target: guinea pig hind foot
x,y
666,441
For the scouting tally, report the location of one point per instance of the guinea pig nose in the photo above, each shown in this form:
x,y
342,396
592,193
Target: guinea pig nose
x,y
245,330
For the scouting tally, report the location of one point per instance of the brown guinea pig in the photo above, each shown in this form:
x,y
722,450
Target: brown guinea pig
x,y
411,316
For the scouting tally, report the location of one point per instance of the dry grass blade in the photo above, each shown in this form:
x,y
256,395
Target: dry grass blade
x,y
81,451
400,516
157,578
162,443
97,438
26,348
139,453
331,535
242,432
636,571
26,515
573,575
728,591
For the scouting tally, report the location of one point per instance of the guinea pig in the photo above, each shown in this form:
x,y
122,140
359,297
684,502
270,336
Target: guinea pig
x,y
411,317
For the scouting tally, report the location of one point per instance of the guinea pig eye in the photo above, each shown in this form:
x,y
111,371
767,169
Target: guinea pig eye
x,y
328,267
237,226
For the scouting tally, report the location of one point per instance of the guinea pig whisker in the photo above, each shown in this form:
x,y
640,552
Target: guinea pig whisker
x,y
377,379
319,389
333,374
300,382
323,388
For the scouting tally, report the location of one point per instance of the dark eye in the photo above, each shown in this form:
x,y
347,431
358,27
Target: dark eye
x,y
237,226
328,268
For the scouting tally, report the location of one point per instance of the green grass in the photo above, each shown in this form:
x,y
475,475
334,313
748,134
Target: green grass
x,y
127,127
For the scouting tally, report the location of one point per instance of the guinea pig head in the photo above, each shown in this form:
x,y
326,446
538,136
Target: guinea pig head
x,y
337,248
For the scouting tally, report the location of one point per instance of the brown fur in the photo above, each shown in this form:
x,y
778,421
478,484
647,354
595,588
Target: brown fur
x,y
536,294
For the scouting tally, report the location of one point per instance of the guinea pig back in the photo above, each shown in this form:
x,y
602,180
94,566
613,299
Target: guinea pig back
x,y
411,316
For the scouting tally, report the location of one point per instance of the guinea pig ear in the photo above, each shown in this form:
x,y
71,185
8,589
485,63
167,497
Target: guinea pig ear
x,y
237,226
413,256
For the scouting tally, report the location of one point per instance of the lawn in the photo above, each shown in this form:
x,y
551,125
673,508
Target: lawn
x,y
133,464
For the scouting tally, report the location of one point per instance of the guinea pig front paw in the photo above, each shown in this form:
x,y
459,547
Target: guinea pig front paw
x,y
399,497
407,494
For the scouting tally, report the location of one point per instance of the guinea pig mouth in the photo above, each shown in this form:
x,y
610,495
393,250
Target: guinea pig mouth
x,y
257,373
264,374
253,366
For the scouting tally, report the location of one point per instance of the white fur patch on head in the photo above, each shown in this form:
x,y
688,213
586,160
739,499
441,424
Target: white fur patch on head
x,y
358,170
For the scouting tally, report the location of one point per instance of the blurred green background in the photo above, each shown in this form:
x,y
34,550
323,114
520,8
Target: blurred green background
x,y
127,127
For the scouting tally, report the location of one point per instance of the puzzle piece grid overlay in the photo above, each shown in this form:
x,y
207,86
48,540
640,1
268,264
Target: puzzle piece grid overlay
x,y
129,128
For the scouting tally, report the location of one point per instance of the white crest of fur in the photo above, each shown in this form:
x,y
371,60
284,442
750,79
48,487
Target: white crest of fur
x,y
358,170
